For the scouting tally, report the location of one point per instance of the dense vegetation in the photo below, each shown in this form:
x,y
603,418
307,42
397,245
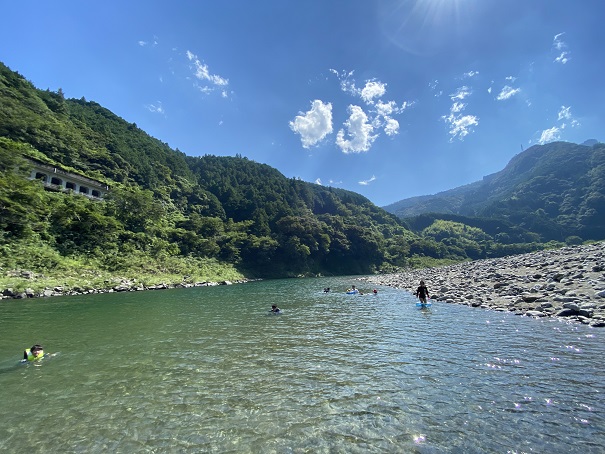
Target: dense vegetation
x,y
168,215
548,193
173,217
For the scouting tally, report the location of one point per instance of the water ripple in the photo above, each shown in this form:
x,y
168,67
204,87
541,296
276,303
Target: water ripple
x,y
207,370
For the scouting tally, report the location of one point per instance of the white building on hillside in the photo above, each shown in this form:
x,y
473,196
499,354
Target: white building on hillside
x,y
56,179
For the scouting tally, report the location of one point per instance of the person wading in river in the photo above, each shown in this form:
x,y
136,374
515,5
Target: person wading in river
x,y
422,292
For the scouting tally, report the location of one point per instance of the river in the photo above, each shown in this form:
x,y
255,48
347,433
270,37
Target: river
x,y
208,369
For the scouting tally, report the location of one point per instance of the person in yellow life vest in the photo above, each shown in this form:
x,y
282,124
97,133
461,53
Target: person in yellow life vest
x,y
33,354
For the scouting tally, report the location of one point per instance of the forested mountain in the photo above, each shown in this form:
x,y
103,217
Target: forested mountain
x,y
178,217
166,210
552,192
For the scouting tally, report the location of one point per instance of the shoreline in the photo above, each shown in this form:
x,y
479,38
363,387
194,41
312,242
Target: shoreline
x,y
125,285
567,283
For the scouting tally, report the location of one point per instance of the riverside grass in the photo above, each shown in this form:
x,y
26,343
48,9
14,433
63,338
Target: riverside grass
x,y
36,266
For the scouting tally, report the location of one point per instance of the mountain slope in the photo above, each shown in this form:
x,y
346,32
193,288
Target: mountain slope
x,y
555,190
165,206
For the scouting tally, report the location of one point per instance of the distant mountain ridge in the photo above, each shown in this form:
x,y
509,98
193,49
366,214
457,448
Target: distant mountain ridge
x,y
557,188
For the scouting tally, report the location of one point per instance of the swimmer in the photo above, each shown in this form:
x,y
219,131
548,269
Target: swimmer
x,y
275,309
35,353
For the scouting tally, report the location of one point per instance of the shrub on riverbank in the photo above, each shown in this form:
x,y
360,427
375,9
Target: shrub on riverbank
x,y
36,266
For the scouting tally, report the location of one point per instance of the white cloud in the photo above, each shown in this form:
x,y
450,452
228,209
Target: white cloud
x,y
318,181
566,118
373,89
156,108
565,115
362,128
359,132
384,119
367,182
550,135
391,127
457,107
470,74
433,86
559,45
386,108
461,125
146,43
313,125
203,73
346,84
507,93
563,58
558,42
461,93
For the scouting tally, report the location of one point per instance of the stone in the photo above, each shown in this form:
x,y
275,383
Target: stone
x,y
530,298
535,314
586,312
566,313
573,306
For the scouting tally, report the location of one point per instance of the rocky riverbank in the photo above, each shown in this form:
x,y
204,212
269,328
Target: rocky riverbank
x,y
122,285
567,282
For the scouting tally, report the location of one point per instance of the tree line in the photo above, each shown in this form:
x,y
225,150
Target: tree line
x,y
165,207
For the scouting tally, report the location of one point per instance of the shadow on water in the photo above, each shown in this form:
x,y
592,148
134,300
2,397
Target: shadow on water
x,y
6,369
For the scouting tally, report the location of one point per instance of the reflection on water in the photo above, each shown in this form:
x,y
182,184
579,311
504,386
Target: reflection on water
x,y
209,370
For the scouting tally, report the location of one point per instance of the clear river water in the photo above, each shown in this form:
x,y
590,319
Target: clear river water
x,y
208,369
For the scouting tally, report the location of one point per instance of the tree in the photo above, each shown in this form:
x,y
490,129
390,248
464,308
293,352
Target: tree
x,y
136,208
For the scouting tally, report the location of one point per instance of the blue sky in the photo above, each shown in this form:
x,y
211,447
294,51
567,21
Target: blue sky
x,y
388,98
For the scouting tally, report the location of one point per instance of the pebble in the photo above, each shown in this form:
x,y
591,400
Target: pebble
x,y
568,282
124,285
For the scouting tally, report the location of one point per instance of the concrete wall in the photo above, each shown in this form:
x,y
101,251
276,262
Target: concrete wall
x,y
60,180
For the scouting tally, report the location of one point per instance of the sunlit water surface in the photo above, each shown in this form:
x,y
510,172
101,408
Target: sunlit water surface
x,y
209,370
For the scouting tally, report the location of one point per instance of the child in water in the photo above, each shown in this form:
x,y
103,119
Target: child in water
x,y
275,309
33,354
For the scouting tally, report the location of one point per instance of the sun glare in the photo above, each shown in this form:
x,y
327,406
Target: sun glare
x,y
422,26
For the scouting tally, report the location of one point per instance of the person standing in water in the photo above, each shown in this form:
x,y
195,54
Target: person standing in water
x,y
422,292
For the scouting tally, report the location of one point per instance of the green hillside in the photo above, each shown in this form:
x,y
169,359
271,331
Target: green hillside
x,y
169,216
551,192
